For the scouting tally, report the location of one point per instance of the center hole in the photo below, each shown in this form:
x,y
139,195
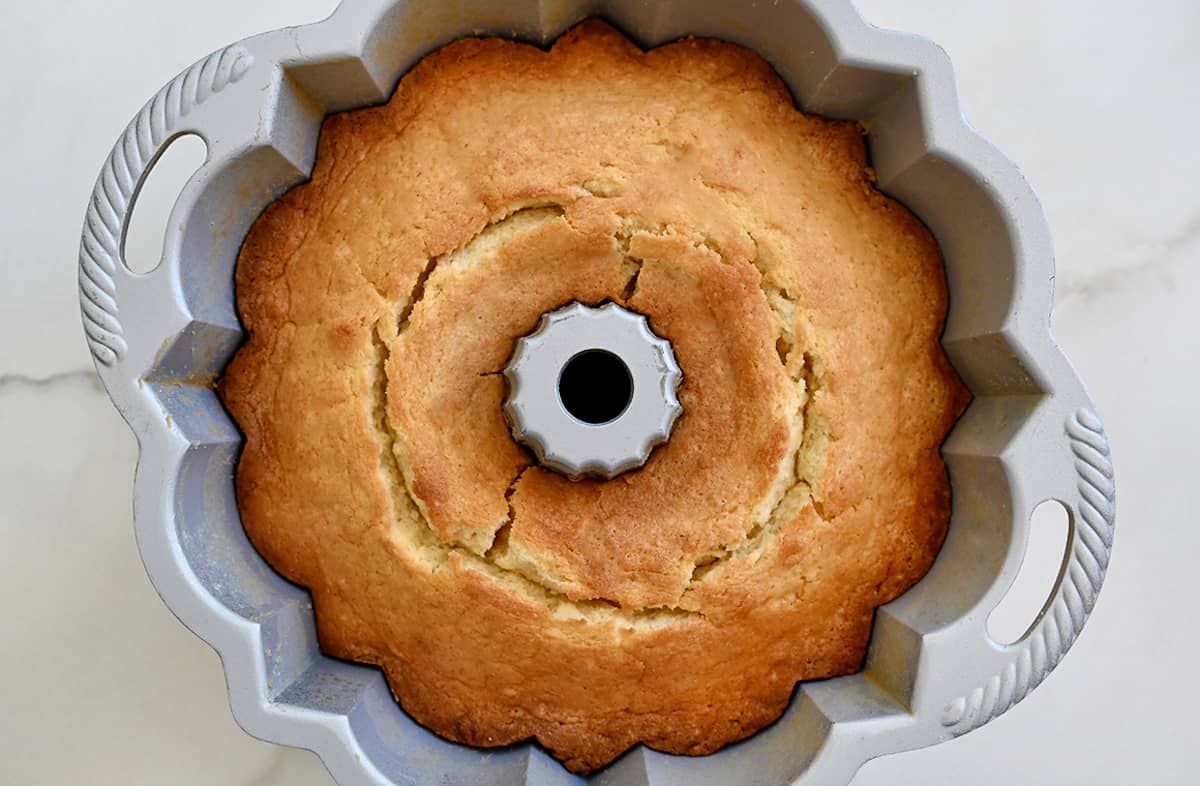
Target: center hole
x,y
595,386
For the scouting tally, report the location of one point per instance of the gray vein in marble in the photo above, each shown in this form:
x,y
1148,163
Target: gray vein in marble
x,y
1083,287
88,376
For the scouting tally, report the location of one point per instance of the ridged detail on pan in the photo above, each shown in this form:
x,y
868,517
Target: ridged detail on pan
x,y
101,250
1060,622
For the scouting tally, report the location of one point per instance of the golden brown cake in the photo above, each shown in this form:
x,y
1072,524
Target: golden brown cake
x,y
677,604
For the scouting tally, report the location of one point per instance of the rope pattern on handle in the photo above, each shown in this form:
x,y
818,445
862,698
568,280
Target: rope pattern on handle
x,y
101,249
1059,625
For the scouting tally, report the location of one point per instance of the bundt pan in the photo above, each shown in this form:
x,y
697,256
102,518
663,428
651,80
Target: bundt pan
x,y
160,340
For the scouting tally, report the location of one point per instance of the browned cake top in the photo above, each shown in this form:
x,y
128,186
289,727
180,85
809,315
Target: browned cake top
x,y
677,604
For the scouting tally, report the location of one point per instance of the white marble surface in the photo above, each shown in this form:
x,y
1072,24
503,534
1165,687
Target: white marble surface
x,y
1097,101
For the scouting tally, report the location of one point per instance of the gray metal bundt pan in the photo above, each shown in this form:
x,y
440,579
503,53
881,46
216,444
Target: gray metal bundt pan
x,y
932,672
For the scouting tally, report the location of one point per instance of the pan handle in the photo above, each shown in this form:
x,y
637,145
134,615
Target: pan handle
x,y
176,109
1092,507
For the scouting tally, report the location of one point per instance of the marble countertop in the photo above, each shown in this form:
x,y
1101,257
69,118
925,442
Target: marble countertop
x,y
1096,101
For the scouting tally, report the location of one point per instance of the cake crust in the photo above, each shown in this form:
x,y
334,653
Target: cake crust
x,y
676,605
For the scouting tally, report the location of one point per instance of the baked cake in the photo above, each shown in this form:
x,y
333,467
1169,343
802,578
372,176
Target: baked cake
x,y
677,604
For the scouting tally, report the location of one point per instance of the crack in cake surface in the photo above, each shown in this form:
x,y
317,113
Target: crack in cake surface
x,y
791,497
788,499
420,537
